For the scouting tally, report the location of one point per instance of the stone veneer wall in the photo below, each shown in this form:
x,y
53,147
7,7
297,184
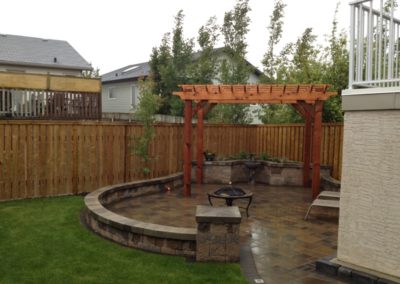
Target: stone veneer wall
x,y
272,173
135,233
369,226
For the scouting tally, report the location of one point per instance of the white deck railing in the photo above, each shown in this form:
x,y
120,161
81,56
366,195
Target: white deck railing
x,y
374,45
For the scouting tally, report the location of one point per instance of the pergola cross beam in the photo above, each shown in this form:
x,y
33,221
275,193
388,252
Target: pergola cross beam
x,y
306,99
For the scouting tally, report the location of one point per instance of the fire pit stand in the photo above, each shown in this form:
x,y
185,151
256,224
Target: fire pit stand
x,y
230,193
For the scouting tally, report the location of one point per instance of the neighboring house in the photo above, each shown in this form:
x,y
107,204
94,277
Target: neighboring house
x,y
41,79
120,90
42,56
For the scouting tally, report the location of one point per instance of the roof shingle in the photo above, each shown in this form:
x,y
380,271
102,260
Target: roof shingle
x,y
31,51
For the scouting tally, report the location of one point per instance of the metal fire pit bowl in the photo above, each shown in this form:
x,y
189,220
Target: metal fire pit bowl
x,y
229,194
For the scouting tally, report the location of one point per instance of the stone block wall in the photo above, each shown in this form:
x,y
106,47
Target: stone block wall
x,y
222,172
135,233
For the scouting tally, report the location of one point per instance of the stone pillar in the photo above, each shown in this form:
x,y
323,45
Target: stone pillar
x,y
369,224
218,233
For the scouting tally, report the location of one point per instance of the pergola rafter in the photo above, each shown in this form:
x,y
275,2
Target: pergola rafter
x,y
306,99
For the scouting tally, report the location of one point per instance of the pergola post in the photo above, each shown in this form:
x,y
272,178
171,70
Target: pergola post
x,y
317,148
187,153
307,148
200,137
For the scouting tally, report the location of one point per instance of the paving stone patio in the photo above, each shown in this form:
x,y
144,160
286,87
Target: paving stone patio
x,y
284,246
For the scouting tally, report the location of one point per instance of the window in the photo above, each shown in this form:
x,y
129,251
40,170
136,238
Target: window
x,y
111,93
133,95
130,69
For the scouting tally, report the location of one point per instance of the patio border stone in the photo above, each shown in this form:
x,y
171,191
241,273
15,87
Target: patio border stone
x,y
332,267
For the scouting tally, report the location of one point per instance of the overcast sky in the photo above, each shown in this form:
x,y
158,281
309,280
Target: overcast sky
x,y
112,34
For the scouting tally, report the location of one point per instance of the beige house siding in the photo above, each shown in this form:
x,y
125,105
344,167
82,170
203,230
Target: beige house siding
x,y
38,70
369,226
122,101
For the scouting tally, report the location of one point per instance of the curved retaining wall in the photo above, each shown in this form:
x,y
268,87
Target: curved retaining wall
x,y
168,239
272,173
135,233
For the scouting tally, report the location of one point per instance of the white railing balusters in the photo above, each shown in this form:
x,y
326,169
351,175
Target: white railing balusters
x,y
374,45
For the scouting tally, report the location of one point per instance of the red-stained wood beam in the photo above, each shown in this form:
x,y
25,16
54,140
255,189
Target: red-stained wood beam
x,y
307,148
317,148
187,151
199,105
307,111
307,107
299,109
200,132
209,108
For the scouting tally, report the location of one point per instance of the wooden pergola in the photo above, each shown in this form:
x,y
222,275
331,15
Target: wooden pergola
x,y
308,100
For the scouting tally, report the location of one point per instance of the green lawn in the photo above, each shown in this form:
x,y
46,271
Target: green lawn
x,y
42,241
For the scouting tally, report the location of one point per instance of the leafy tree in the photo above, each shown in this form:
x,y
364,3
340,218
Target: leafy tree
x,y
336,71
234,29
203,70
144,112
302,67
169,66
305,62
275,29
94,73
234,70
387,6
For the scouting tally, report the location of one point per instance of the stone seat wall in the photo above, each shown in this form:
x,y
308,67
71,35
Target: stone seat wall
x,y
272,173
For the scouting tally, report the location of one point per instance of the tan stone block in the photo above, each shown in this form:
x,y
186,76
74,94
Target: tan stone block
x,y
219,229
159,242
174,244
232,258
218,239
167,250
189,246
232,239
217,250
217,258
134,239
202,252
204,238
203,227
233,228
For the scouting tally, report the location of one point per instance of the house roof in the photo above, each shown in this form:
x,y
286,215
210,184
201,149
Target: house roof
x,y
128,72
38,52
143,69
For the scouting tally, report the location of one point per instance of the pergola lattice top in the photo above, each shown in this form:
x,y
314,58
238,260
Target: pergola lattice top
x,y
253,94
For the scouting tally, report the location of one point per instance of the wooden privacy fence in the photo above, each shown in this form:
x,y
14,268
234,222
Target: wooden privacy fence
x,y
48,158
36,96
286,141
